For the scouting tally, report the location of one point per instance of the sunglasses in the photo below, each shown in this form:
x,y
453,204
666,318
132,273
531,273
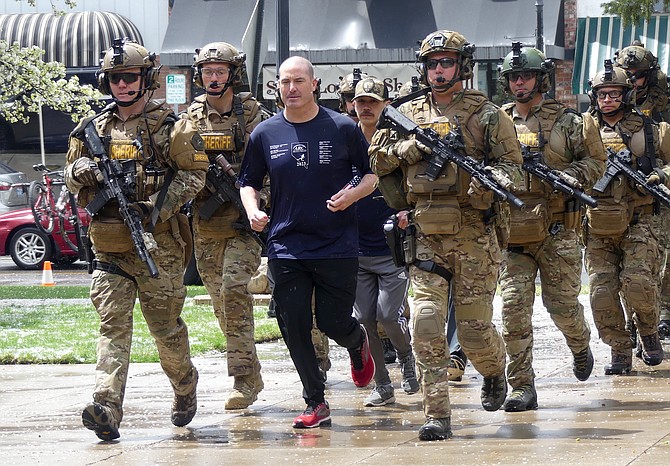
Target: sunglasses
x,y
445,62
613,94
128,78
524,75
637,74
211,72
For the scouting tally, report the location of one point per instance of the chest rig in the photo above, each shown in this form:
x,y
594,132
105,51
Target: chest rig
x,y
452,182
141,146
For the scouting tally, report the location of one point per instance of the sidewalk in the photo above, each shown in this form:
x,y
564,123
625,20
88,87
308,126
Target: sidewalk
x,y
606,420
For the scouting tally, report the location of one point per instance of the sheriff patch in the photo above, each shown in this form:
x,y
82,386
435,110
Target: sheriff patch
x,y
218,142
442,128
124,150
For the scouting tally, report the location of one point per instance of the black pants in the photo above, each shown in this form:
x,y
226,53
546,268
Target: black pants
x,y
333,282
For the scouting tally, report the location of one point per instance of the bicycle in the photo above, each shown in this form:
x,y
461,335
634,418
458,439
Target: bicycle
x,y
50,211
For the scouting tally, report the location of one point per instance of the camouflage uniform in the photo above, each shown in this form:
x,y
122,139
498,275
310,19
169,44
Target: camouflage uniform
x,y
226,258
120,276
543,237
652,101
624,252
470,248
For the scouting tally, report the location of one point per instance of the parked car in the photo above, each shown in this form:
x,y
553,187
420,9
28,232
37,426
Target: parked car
x,y
30,247
13,189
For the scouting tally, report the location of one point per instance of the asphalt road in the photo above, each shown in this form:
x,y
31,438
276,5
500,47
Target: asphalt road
x,y
65,274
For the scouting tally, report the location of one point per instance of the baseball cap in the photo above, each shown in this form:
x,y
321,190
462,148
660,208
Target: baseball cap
x,y
371,87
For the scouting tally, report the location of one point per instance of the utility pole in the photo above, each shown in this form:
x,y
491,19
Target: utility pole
x,y
282,32
539,33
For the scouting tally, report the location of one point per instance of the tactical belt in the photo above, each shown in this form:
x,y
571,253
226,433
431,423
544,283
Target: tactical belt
x,y
432,267
111,268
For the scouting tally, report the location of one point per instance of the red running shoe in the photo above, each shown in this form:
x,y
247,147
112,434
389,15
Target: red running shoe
x,y
313,416
362,364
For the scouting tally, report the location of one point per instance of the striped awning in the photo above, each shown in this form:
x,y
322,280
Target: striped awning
x,y
74,39
599,38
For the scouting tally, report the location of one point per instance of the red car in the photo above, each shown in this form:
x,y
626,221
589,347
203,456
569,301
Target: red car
x,y
30,247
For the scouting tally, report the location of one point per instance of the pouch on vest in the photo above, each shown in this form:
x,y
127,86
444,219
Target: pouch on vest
x,y
393,189
186,236
110,237
438,216
609,219
419,184
529,226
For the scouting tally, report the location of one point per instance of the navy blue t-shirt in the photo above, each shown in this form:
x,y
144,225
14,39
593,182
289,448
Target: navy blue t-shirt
x,y
307,163
372,213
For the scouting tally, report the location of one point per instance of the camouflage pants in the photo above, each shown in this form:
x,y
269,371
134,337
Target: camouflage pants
x,y
226,267
625,267
161,300
473,257
559,261
665,288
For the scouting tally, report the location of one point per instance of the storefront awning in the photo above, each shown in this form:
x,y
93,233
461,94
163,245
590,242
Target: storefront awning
x,y
74,39
599,38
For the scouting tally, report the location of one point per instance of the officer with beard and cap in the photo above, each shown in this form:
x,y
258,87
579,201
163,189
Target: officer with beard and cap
x,y
457,223
226,256
543,238
624,254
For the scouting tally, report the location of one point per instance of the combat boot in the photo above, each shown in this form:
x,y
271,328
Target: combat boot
x,y
582,364
652,351
408,368
622,362
436,429
523,398
184,408
102,420
493,393
245,391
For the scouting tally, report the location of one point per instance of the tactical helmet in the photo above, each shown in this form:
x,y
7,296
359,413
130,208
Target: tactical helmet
x,y
635,56
219,52
446,41
126,54
612,76
347,86
526,59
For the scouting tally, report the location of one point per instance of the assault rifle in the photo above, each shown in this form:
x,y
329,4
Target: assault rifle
x,y
447,150
118,185
224,186
533,163
620,162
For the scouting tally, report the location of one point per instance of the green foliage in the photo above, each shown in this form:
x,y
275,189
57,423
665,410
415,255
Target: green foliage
x,y
632,11
27,82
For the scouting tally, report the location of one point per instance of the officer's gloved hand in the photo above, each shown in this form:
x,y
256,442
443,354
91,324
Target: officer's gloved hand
x,y
656,177
571,177
480,197
86,172
410,150
143,208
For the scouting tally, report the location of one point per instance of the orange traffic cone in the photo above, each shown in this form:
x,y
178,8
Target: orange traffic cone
x,y
47,275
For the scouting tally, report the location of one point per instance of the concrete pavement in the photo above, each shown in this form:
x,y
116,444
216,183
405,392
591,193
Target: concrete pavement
x,y
609,420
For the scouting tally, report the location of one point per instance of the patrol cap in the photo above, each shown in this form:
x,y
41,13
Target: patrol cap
x,y
371,87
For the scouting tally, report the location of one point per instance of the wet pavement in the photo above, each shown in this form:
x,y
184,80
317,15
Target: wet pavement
x,y
613,420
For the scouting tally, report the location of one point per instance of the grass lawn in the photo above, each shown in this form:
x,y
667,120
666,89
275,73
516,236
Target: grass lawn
x,y
41,325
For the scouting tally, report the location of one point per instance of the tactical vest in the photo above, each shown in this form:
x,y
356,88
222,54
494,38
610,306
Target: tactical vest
x,y
541,132
225,137
622,202
441,205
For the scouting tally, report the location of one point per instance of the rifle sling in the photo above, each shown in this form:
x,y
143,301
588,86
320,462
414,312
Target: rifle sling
x,y
111,268
160,200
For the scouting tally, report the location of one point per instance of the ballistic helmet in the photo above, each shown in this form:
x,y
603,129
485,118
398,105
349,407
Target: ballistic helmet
x,y
347,87
635,56
446,41
219,52
527,59
126,54
612,76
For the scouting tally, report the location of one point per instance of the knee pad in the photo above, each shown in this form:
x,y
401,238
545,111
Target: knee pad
x,y
427,322
472,334
602,299
638,291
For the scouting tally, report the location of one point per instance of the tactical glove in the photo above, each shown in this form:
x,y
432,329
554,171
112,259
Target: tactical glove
x,y
656,177
410,150
86,172
480,197
143,208
571,177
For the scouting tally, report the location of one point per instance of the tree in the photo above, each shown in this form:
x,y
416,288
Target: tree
x,y
632,11
27,82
